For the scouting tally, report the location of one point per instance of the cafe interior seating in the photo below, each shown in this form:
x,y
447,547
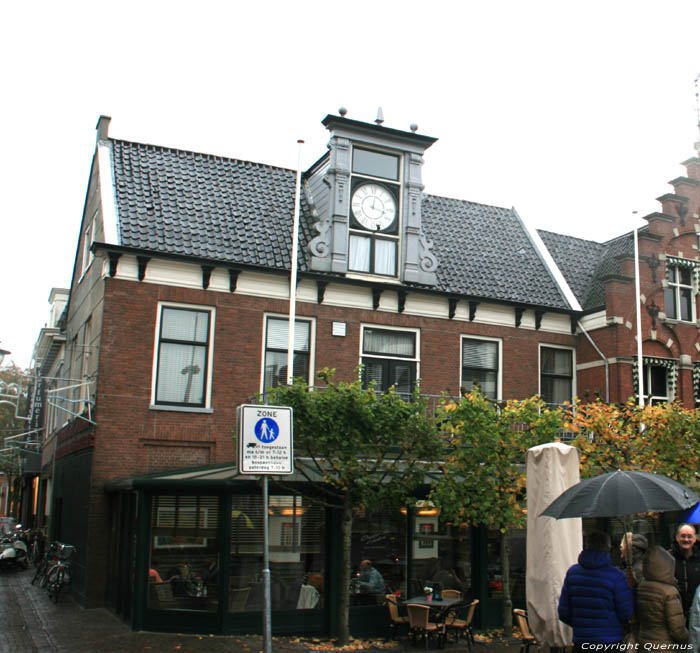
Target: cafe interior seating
x,y
397,621
421,626
451,594
528,639
237,599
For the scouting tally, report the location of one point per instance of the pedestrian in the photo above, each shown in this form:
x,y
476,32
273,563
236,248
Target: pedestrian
x,y
371,580
694,622
659,609
686,552
633,546
596,600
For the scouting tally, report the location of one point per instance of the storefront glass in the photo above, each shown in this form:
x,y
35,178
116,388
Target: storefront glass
x,y
378,555
184,555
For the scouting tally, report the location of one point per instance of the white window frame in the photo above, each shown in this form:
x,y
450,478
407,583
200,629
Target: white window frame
x,y
544,345
312,345
210,358
675,287
372,237
499,369
88,239
386,327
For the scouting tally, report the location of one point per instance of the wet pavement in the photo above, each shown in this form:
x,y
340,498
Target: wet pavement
x,y
30,622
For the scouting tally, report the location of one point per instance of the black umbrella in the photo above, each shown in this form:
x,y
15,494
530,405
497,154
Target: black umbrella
x,y
621,493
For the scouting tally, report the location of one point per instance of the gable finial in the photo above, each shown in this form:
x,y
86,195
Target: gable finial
x,y
380,116
342,111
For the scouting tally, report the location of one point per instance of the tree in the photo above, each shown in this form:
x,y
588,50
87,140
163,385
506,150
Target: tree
x,y
367,449
662,438
483,480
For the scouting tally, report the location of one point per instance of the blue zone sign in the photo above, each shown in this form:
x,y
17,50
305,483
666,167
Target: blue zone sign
x,y
265,441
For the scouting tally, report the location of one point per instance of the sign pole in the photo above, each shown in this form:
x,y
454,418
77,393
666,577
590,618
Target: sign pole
x,y
267,616
265,446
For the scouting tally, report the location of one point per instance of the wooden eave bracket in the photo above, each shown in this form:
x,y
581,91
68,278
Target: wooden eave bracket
x,y
518,315
113,262
538,319
376,296
206,275
143,264
233,279
472,309
321,291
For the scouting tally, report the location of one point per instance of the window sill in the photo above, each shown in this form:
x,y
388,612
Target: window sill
x,y
181,409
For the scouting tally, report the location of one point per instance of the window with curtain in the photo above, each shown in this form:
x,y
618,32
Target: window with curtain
x,y
556,375
276,344
183,356
389,359
373,255
480,366
678,295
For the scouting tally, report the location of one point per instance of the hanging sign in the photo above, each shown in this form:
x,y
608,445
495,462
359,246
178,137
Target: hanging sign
x,y
265,441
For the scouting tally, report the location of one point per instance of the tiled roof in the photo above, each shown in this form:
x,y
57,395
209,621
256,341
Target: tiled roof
x,y
585,263
240,212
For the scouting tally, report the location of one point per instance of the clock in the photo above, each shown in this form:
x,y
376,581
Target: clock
x,y
373,206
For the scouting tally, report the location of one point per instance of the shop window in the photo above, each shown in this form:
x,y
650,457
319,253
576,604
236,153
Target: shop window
x,y
480,366
441,553
517,546
389,359
556,375
678,294
276,345
378,555
184,554
297,553
183,356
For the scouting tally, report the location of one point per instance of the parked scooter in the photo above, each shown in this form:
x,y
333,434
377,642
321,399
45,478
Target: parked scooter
x,y
13,553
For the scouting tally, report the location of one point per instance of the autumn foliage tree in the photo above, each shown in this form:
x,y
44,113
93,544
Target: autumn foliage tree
x,y
483,480
662,438
359,448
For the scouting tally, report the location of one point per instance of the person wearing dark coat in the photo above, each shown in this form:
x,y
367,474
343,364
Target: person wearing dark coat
x,y
686,552
659,610
596,600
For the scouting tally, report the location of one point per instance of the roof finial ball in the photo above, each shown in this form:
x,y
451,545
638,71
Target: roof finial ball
x,y
380,116
342,111
414,127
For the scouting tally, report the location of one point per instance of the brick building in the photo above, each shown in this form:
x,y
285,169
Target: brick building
x,y
178,314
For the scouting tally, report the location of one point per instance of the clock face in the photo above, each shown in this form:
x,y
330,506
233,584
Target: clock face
x,y
373,206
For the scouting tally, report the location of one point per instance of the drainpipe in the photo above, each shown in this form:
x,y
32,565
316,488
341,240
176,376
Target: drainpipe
x,y
605,361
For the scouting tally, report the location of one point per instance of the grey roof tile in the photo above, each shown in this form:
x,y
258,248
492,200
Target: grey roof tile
x,y
241,212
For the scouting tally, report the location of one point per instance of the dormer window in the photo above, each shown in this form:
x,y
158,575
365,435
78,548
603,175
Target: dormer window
x,y
374,213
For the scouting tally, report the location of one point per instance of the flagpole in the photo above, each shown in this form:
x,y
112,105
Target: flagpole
x,y
638,300
293,271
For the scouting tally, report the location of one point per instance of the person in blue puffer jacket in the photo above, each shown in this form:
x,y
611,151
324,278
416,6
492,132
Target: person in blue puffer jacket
x,y
596,600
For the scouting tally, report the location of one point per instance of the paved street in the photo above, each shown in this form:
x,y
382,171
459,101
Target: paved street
x,y
30,623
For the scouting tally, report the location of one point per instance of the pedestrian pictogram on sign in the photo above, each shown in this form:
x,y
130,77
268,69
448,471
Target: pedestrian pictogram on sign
x,y
265,442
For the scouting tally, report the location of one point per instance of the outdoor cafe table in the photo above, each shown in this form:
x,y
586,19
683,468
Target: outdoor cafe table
x,y
440,606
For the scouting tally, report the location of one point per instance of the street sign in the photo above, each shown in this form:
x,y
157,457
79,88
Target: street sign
x,y
265,440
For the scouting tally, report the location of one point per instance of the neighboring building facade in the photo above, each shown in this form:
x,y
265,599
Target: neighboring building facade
x,y
177,315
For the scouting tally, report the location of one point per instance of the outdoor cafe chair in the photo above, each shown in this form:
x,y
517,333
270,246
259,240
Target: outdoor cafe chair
x,y
421,626
396,621
451,594
524,627
463,627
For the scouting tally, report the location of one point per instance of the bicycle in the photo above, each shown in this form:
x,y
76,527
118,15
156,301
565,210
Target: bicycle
x,y
47,561
59,574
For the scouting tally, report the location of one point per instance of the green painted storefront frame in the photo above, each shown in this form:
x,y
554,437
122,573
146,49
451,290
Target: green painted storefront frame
x,y
371,620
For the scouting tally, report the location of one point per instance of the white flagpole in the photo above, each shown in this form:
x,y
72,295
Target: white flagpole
x,y
293,271
638,299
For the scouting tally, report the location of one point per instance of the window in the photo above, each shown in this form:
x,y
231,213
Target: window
x,y
678,295
389,359
556,375
660,379
183,356
655,384
374,215
480,366
88,239
276,342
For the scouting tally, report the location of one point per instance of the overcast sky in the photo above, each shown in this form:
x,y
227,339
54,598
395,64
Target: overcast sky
x,y
576,113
